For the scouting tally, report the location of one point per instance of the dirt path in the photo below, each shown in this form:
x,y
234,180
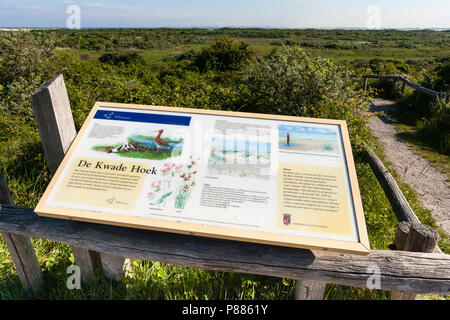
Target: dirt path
x,y
430,184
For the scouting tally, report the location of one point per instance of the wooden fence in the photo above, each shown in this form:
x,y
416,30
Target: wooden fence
x,y
416,266
405,82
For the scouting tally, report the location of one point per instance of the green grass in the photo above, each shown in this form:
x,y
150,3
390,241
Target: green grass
x,y
264,46
150,154
144,153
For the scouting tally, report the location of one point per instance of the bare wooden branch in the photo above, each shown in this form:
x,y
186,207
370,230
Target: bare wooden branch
x,y
21,250
53,115
400,270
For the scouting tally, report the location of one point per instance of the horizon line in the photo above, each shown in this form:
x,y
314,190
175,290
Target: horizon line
x,y
235,27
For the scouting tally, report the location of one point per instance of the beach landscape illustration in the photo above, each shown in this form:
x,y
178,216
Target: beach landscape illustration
x,y
308,139
242,158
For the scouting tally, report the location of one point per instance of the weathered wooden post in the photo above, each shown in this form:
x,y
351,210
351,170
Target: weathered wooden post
x,y
394,84
310,289
21,250
365,84
53,115
416,238
403,86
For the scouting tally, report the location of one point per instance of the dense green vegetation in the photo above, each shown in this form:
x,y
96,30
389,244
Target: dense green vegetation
x,y
254,70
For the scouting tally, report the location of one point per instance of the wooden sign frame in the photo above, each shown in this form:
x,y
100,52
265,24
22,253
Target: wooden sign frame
x,y
361,246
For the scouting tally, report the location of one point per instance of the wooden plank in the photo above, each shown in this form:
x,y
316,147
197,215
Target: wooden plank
x,y
419,88
414,238
53,115
399,270
21,250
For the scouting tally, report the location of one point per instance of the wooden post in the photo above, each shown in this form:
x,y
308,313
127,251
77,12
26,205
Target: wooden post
x,y
113,266
394,85
21,250
416,238
309,290
403,86
365,84
53,115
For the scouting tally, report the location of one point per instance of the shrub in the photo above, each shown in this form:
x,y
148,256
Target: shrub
x,y
118,59
442,83
24,60
225,54
436,129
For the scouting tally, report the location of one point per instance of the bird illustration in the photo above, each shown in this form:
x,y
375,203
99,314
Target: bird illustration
x,y
125,146
160,143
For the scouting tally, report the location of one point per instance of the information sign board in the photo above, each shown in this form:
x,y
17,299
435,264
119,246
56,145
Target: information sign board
x,y
268,179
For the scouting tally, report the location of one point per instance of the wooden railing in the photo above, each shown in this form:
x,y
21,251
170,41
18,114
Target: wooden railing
x,y
410,269
405,82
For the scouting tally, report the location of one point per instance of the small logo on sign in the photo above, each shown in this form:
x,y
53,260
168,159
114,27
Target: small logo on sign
x,y
287,219
109,115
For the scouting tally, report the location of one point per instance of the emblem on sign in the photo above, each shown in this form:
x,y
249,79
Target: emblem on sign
x,y
109,115
287,219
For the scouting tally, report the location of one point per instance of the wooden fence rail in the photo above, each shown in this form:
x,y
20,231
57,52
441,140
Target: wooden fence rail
x,y
395,78
399,270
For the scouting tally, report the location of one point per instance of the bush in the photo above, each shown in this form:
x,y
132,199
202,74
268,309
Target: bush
x,y
24,60
225,54
436,129
442,82
118,59
292,83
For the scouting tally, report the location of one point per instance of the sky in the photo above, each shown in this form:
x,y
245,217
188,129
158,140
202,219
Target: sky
x,y
382,14
305,132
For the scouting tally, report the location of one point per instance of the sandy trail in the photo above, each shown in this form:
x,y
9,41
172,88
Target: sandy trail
x,y
430,184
